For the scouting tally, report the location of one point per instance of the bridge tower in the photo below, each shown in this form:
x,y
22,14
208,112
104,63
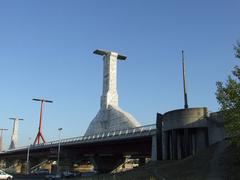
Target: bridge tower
x,y
14,137
1,138
40,136
110,117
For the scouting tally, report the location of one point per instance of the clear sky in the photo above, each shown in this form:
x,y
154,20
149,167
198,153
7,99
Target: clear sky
x,y
46,52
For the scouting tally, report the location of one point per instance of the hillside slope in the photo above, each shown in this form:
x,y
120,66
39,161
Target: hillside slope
x,y
215,163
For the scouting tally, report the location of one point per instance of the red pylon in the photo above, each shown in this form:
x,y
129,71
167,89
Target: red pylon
x,y
39,136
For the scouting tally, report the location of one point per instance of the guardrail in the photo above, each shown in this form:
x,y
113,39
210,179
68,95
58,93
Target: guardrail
x,y
137,131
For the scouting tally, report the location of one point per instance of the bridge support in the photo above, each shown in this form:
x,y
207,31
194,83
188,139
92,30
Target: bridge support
x,y
107,163
66,164
160,137
14,165
141,161
181,143
154,148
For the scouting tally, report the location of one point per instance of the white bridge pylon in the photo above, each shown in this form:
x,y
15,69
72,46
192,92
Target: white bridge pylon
x,y
110,117
14,137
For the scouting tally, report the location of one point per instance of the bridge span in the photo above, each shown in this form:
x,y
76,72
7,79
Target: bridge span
x,y
107,149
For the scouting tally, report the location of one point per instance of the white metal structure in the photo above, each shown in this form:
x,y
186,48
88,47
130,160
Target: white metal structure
x,y
110,117
14,137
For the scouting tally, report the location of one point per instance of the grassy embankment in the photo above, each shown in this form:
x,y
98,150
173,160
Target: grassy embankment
x,y
216,163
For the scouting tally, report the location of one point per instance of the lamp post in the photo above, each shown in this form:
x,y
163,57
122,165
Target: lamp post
x,y
28,150
59,141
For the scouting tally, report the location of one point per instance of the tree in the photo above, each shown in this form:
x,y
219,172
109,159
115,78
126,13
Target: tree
x,y
228,96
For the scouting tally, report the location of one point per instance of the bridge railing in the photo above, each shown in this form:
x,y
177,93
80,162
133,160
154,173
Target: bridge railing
x,y
123,132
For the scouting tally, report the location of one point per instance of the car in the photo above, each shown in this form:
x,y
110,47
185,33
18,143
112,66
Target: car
x,y
4,175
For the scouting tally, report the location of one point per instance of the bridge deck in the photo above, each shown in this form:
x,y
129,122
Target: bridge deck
x,y
130,135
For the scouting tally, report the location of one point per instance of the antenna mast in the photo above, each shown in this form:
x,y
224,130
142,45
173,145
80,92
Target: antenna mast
x,y
184,82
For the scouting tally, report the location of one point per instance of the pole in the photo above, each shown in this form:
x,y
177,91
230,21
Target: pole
x,y
40,134
28,151
40,125
184,82
59,142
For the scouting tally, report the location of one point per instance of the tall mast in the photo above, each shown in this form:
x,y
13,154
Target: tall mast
x,y
39,136
184,82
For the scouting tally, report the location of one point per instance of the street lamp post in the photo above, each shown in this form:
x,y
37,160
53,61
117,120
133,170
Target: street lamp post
x,y
59,141
28,150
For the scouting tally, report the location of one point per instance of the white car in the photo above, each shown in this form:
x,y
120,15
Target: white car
x,y
4,175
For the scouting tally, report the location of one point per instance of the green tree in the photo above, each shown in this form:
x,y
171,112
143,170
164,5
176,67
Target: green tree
x,y
228,96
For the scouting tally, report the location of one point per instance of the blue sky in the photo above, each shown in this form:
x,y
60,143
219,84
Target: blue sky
x,y
46,52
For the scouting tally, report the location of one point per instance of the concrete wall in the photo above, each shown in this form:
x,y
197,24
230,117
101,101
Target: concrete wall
x,y
216,128
201,138
185,118
184,132
154,156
